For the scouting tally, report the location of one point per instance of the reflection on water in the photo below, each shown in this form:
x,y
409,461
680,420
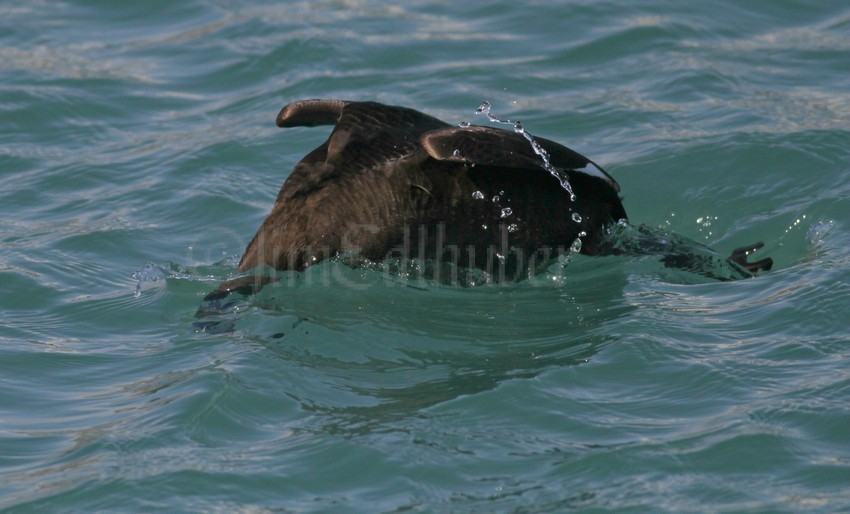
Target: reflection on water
x,y
431,343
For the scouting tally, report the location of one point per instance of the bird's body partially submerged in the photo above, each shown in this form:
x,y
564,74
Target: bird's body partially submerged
x,y
389,178
392,181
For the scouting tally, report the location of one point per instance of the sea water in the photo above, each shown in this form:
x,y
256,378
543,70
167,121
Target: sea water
x,y
138,156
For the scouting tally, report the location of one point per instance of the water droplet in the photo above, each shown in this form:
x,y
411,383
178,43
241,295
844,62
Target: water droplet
x,y
463,124
477,195
456,152
576,217
484,226
576,246
582,233
513,227
496,198
507,211
501,258
541,152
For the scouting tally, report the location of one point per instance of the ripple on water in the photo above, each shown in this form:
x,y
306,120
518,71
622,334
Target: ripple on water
x,y
145,133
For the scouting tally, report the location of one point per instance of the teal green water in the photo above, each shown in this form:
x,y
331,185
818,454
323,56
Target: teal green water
x,y
138,150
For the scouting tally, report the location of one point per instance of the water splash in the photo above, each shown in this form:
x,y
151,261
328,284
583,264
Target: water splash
x,y
150,273
576,246
817,233
153,272
485,109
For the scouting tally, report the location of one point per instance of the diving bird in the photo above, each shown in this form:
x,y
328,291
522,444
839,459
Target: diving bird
x,y
392,182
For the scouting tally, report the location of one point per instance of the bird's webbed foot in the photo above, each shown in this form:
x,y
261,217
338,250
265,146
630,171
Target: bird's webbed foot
x,y
739,256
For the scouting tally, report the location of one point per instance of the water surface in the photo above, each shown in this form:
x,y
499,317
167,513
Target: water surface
x,y
138,155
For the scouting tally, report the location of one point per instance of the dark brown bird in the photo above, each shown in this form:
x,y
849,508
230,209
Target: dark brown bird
x,y
394,182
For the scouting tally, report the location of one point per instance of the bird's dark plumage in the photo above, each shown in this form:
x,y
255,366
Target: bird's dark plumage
x,y
392,182
390,176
